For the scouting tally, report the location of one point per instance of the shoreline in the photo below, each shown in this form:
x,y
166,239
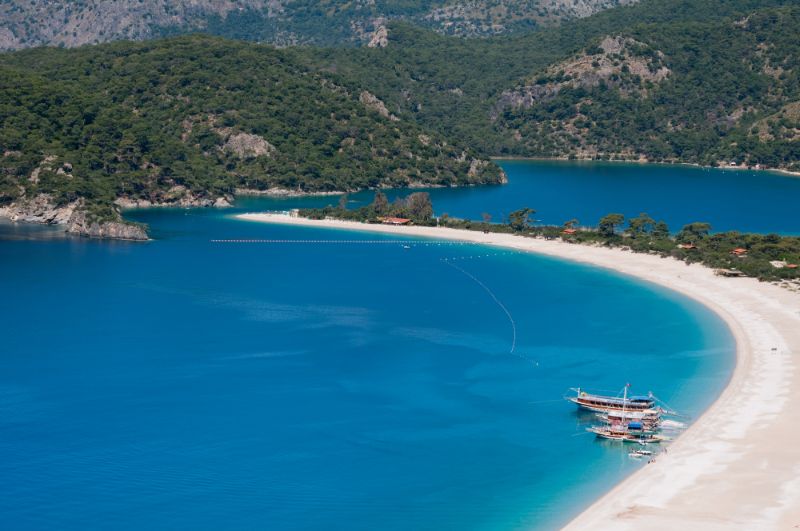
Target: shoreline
x,y
737,464
787,173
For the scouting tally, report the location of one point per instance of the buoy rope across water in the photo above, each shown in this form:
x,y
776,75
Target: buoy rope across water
x,y
495,299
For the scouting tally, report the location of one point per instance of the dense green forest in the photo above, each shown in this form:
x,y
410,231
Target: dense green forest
x,y
730,90
202,116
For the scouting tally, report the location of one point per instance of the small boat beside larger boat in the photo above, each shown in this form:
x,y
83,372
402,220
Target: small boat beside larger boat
x,y
627,419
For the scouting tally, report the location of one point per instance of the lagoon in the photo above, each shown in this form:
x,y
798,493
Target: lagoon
x,y
186,383
729,199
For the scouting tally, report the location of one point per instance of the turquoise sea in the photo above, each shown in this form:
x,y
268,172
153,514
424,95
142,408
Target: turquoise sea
x,y
182,383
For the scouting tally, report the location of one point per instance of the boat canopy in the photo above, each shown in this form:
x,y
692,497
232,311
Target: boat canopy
x,y
615,400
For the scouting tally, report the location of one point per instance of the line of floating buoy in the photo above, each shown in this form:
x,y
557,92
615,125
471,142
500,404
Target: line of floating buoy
x,y
497,301
476,256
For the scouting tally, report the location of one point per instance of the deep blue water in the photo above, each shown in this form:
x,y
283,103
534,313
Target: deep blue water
x,y
747,201
182,383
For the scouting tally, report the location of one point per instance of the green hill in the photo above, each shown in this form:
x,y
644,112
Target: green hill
x,y
192,119
704,81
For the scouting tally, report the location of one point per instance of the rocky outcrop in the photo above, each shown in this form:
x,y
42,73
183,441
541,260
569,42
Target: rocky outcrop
x,y
619,62
373,103
240,144
41,209
80,224
491,17
282,192
175,197
245,145
380,37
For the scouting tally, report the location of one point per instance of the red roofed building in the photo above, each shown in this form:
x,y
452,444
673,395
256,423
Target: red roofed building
x,y
394,221
739,251
569,231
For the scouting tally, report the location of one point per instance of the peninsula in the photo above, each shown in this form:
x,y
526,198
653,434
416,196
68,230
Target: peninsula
x,y
735,466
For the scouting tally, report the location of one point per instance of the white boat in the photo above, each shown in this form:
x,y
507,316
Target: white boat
x,y
640,453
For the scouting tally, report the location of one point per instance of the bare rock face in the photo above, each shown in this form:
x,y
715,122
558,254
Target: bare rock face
x,y
40,209
373,103
245,145
45,165
380,38
617,62
177,196
475,167
25,23
116,230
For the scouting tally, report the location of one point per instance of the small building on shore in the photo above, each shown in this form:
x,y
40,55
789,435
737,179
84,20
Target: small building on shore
x,y
394,221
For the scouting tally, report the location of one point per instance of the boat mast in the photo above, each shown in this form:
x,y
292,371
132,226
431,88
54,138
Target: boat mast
x,y
624,403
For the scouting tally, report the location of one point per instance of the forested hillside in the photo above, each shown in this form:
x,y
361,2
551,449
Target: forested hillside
x,y
193,119
701,81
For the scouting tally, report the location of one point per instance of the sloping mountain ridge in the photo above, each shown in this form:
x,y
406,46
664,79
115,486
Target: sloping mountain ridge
x,y
702,81
194,120
28,23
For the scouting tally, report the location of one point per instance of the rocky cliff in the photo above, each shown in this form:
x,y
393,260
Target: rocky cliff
x,y
80,224
28,23
73,216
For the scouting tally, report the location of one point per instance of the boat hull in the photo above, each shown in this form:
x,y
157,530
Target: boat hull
x,y
605,408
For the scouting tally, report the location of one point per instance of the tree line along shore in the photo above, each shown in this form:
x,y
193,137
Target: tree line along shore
x,y
769,257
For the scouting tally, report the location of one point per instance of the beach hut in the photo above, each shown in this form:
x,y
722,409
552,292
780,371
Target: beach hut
x,y
687,246
569,231
739,251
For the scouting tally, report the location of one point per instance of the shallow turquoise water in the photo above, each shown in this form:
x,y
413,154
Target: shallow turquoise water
x,y
186,384
748,201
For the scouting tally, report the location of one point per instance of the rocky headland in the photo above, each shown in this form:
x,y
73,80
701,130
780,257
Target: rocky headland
x,y
73,217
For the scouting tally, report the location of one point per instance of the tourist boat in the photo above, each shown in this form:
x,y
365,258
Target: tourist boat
x,y
649,418
604,404
622,433
624,429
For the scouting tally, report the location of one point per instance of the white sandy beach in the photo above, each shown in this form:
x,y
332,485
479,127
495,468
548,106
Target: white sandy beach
x,y
738,466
